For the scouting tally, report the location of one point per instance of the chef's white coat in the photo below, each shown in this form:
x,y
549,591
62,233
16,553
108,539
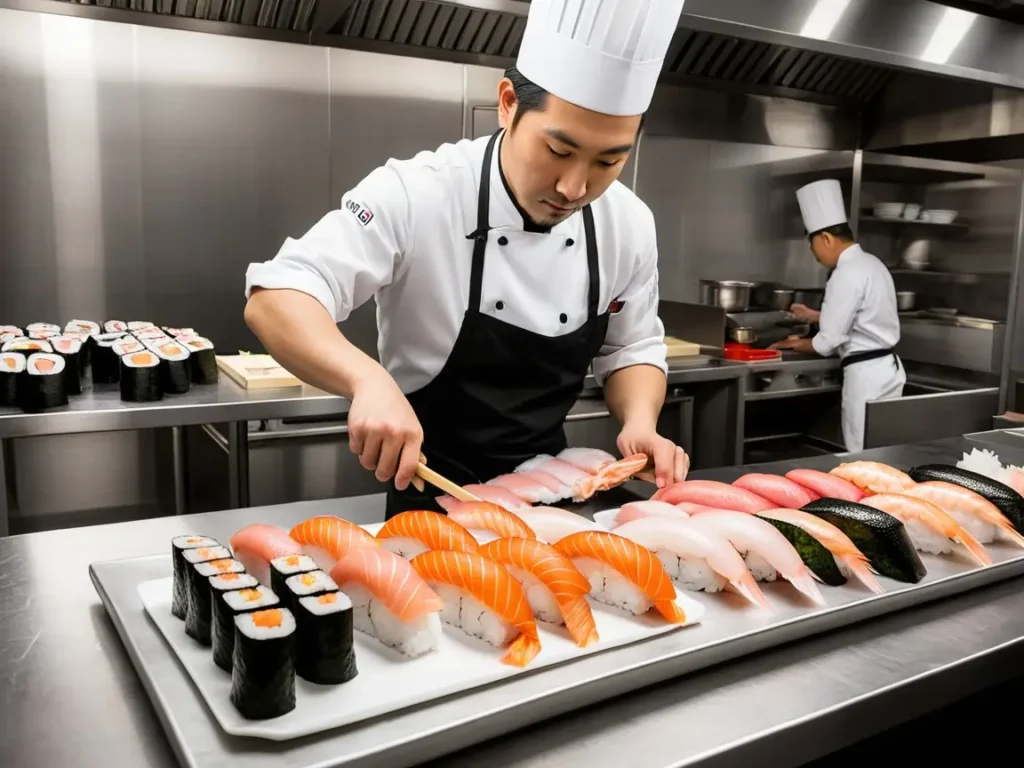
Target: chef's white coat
x,y
859,314
400,236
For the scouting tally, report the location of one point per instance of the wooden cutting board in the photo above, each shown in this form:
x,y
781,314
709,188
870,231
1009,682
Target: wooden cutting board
x,y
256,371
679,348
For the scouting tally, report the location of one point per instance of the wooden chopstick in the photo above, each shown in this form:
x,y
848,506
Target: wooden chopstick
x,y
443,483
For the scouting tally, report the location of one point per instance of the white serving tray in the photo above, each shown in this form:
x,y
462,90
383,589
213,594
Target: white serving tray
x,y
388,681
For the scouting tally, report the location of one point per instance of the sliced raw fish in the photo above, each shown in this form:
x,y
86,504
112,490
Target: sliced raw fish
x,y
484,516
622,470
638,510
782,492
930,527
826,486
551,523
711,493
873,477
528,488
591,460
978,515
410,533
495,494
581,483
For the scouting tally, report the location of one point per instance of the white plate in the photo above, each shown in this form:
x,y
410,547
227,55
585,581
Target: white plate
x,y
388,681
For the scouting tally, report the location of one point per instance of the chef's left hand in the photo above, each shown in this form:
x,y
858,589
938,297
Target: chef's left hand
x,y
671,464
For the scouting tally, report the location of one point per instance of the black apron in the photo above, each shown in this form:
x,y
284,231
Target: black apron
x,y
504,391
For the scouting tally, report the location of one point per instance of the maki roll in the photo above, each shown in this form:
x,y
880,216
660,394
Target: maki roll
x,y
263,664
139,325
115,326
324,650
283,568
175,377
197,617
71,351
11,329
43,334
140,377
27,346
44,327
179,332
12,365
105,363
83,326
179,593
204,361
190,558
42,385
6,337
151,332
246,596
127,345
306,585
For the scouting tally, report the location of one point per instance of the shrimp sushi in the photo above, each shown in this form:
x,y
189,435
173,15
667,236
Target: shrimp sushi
x,y
622,573
327,539
259,543
780,491
826,550
826,486
483,600
973,511
582,484
590,460
555,589
390,600
713,494
765,550
410,533
551,523
929,526
495,494
696,559
873,477
484,519
614,475
1008,500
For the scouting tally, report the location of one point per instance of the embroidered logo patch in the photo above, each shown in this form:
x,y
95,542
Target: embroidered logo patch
x,y
616,306
364,214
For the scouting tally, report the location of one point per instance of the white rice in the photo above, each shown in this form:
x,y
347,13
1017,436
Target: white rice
x,y
27,346
191,542
205,554
465,612
337,602
372,617
246,623
311,583
237,601
115,326
208,568
760,568
692,573
38,357
66,345
283,565
139,325
612,588
243,581
42,327
541,599
84,326
984,532
927,540
127,347
12,362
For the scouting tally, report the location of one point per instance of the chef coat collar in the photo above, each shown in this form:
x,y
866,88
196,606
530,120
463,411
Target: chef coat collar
x,y
505,209
848,253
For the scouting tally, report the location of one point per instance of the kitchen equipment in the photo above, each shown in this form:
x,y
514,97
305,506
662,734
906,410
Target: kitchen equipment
x,y
912,211
811,298
889,210
679,348
915,255
743,335
939,216
730,295
747,354
256,371
770,326
782,299
905,300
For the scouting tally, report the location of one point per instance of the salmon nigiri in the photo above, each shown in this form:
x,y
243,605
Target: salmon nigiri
x,y
712,493
622,573
259,543
482,599
974,512
930,527
873,477
327,539
409,533
825,485
489,520
390,601
555,588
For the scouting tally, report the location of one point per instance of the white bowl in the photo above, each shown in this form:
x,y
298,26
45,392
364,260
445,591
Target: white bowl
x,y
937,216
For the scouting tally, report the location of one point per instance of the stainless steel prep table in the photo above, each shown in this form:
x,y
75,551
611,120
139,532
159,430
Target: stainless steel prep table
x,y
63,662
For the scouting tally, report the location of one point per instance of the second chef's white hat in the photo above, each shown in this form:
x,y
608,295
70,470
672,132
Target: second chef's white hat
x,y
821,205
603,55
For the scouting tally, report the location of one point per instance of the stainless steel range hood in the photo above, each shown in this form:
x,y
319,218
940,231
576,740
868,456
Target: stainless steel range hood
x,y
842,51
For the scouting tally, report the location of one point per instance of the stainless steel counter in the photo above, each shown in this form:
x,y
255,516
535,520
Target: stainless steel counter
x,y
62,662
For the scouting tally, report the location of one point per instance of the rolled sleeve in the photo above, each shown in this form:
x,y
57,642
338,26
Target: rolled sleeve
x,y
348,255
842,300
636,335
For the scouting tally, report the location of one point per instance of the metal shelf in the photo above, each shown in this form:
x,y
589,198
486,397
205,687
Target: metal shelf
x,y
755,396
954,227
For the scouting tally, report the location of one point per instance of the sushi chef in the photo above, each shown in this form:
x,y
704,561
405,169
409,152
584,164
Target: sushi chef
x,y
858,320
503,269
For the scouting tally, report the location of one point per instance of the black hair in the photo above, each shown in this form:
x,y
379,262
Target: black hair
x,y
838,231
530,97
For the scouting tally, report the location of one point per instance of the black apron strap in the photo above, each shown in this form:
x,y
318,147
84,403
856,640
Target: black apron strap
x,y
593,264
860,357
483,226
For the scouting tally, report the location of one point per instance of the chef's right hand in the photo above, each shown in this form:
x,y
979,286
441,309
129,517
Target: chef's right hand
x,y
383,430
805,313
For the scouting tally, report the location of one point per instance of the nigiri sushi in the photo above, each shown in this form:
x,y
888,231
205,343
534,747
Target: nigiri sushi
x,y
825,485
622,573
551,523
484,519
555,588
493,493
765,550
974,512
533,486
713,494
483,600
696,559
590,460
410,533
622,470
780,491
929,526
390,600
259,543
1006,499
327,539
638,510
581,484
838,549
873,477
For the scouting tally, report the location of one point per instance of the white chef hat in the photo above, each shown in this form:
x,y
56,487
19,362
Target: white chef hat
x,y
821,205
603,55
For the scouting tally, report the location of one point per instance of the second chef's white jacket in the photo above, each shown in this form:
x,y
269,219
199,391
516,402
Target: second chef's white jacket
x,y
400,237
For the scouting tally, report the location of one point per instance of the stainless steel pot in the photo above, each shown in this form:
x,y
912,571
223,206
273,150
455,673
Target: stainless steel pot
x,y
743,335
905,300
811,298
730,295
782,299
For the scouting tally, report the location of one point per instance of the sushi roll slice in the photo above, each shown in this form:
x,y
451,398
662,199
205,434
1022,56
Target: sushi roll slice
x,y
179,544
44,327
139,325
11,329
324,647
197,618
231,595
306,585
106,366
28,346
203,360
263,664
283,568
115,326
83,326
42,384
150,332
12,365
175,375
127,345
140,377
6,337
45,335
71,351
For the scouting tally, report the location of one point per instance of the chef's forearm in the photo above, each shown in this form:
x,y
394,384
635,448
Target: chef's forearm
x,y
302,336
636,394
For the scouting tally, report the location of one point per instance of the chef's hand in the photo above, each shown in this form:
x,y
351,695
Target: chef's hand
x,y
383,430
797,344
671,464
805,313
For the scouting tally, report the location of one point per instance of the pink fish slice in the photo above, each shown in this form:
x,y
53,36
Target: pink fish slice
x,y
580,482
495,494
527,487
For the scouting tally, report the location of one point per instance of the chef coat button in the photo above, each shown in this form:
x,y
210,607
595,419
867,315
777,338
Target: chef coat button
x,y
500,305
570,242
502,240
564,318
